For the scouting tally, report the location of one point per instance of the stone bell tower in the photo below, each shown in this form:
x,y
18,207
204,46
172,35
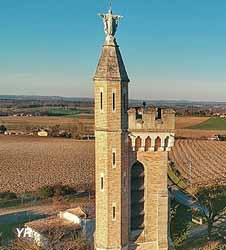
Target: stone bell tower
x,y
111,145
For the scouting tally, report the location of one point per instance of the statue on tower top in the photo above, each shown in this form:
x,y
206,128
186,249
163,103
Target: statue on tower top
x,y
110,25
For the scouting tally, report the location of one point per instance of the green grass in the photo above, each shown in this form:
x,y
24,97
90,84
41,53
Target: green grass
x,y
8,229
10,203
70,113
52,111
61,112
214,123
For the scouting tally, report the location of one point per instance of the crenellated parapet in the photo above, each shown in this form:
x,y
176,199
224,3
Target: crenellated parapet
x,y
151,119
151,129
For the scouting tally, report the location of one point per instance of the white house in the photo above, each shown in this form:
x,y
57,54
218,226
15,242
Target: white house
x,y
74,221
43,133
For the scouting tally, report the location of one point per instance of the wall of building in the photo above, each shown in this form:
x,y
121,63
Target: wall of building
x,y
155,233
70,217
151,119
111,136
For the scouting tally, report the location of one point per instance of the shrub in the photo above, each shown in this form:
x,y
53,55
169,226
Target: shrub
x,y
62,190
2,129
222,247
56,190
8,195
45,192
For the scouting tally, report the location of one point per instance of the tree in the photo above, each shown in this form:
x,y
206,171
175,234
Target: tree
x,y
212,201
45,192
181,217
55,130
2,129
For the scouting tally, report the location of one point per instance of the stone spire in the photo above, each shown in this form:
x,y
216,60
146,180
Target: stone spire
x,y
111,66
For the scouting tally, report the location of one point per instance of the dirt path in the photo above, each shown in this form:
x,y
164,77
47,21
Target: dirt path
x,y
50,208
45,209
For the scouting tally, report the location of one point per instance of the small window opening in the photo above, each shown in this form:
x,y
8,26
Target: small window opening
x,y
101,100
113,212
138,114
113,158
158,115
102,183
113,101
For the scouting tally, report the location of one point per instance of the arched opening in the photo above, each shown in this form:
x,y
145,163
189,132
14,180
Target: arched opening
x,y
157,143
129,143
137,143
166,143
147,143
137,197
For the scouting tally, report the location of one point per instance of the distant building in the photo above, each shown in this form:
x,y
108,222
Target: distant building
x,y
14,132
43,133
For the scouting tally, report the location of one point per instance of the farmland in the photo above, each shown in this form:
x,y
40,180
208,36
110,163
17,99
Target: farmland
x,y
27,163
198,133
188,121
67,123
200,161
200,127
214,123
85,123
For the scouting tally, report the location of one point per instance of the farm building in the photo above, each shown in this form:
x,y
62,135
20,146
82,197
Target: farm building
x,y
42,133
73,222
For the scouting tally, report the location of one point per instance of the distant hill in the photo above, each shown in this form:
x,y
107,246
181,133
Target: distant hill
x,y
133,102
43,98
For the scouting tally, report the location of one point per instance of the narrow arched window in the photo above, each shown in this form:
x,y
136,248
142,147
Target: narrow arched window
x,y
166,142
101,183
157,143
101,100
113,159
147,143
138,143
113,212
113,101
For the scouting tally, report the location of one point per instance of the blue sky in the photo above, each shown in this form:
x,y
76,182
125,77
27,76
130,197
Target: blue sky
x,y
173,49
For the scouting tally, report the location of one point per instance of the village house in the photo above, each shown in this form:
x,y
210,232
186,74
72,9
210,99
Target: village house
x,y
42,133
72,223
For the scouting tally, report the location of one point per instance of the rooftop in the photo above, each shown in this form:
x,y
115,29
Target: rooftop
x,y
47,225
87,212
111,66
